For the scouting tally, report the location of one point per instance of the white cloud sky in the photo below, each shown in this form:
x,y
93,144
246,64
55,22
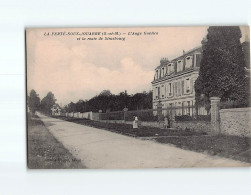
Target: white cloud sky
x,y
75,70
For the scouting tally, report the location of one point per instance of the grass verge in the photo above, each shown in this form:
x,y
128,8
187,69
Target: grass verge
x,y
126,129
44,151
234,147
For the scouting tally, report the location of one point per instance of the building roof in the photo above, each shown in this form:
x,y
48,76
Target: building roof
x,y
165,61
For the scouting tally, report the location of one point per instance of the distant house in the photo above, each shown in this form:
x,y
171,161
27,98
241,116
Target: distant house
x,y
173,83
56,110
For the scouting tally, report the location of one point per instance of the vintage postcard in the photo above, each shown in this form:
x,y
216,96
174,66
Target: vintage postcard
x,y
147,97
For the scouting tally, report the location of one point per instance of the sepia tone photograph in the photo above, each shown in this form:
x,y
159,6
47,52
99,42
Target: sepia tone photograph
x,y
136,98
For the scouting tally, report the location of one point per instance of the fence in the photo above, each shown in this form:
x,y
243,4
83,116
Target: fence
x,y
183,113
226,121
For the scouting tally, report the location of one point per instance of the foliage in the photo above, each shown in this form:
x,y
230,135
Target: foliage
x,y
193,118
142,116
33,101
107,102
230,104
246,51
222,70
47,102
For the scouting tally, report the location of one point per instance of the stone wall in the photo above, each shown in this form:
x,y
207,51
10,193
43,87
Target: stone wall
x,y
201,126
236,121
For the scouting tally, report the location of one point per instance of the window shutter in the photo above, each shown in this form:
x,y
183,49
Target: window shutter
x,y
173,88
193,61
184,64
165,90
175,91
179,88
191,85
182,87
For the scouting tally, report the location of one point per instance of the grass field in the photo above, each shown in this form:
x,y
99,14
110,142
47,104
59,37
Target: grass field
x,y
44,151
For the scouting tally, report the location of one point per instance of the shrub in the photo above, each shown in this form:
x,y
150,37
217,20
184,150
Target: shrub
x,y
193,118
142,116
231,104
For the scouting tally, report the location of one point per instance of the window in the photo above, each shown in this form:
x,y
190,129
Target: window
x,y
188,107
179,65
169,89
156,92
187,85
189,61
180,108
162,91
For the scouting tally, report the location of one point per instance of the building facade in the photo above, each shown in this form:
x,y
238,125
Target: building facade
x,y
55,110
173,83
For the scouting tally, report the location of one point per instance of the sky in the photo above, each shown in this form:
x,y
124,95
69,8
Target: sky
x,y
79,69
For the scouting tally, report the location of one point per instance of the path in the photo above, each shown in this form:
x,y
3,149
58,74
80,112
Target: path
x,y
103,149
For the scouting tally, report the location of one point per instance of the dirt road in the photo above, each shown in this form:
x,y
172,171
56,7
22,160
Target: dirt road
x,y
98,148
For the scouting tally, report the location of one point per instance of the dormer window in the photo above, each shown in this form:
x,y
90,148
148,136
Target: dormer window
x,y
165,71
189,61
162,72
179,65
170,68
156,75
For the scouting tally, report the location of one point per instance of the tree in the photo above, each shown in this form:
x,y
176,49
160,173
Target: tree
x,y
105,93
222,65
106,101
47,102
33,101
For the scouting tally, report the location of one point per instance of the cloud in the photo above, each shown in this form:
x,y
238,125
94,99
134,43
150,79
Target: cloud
x,y
70,76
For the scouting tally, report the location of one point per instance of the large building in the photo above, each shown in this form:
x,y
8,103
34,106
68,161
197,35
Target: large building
x,y
173,83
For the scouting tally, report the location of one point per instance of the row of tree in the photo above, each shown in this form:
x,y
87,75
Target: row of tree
x,y
44,105
106,102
